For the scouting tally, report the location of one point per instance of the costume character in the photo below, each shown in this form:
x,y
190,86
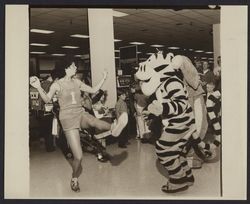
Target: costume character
x,y
171,103
160,77
213,105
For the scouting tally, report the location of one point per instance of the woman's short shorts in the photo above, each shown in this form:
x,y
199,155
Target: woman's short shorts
x,y
71,118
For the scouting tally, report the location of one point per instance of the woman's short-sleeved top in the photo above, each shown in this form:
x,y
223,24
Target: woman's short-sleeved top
x,y
69,98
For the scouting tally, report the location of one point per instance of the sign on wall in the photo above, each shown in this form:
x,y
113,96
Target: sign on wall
x,y
128,59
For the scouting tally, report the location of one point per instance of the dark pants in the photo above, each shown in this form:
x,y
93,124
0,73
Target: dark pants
x,y
132,125
45,130
123,137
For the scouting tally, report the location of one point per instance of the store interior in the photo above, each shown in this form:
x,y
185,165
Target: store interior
x,y
133,173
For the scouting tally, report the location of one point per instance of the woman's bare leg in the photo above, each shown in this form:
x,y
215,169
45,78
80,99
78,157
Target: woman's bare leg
x,y
73,139
91,121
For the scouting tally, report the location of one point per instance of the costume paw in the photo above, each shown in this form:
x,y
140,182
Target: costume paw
x,y
174,188
209,154
155,108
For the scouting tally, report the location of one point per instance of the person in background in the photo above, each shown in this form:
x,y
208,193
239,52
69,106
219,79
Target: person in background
x,y
103,113
120,108
213,104
207,76
98,104
141,101
198,65
87,102
46,118
72,116
131,107
217,73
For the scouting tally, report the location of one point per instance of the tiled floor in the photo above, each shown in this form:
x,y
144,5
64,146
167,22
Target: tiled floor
x,y
133,173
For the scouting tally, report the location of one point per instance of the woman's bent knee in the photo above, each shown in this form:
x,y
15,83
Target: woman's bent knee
x,y
78,158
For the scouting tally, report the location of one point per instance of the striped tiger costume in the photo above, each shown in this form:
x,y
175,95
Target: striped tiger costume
x,y
177,117
213,99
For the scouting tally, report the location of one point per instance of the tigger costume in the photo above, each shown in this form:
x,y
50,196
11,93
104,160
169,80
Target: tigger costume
x,y
159,77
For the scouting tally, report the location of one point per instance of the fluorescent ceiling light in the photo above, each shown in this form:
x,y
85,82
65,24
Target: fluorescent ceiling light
x,y
209,52
119,14
58,54
173,48
79,36
117,40
157,45
212,6
198,51
70,47
136,43
138,52
191,49
39,44
117,50
41,31
37,52
211,58
78,55
117,57
149,53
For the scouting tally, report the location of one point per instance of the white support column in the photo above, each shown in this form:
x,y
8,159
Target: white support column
x,y
216,42
102,56
16,161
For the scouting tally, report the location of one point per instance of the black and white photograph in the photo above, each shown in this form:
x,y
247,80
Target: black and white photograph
x,y
127,102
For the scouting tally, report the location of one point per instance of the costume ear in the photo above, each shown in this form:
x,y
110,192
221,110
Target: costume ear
x,y
169,57
158,51
164,54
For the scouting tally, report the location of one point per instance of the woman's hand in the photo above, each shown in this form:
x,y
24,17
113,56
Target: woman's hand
x,y
35,82
105,73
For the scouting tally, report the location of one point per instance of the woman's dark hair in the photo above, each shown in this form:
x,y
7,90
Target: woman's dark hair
x,y
98,96
63,64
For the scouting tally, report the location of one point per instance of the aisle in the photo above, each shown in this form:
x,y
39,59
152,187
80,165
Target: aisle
x,y
134,173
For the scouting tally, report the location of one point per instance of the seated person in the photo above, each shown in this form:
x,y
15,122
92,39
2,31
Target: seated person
x,y
90,105
98,104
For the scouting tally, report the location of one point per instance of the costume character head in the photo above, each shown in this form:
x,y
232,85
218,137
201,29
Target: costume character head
x,y
151,71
